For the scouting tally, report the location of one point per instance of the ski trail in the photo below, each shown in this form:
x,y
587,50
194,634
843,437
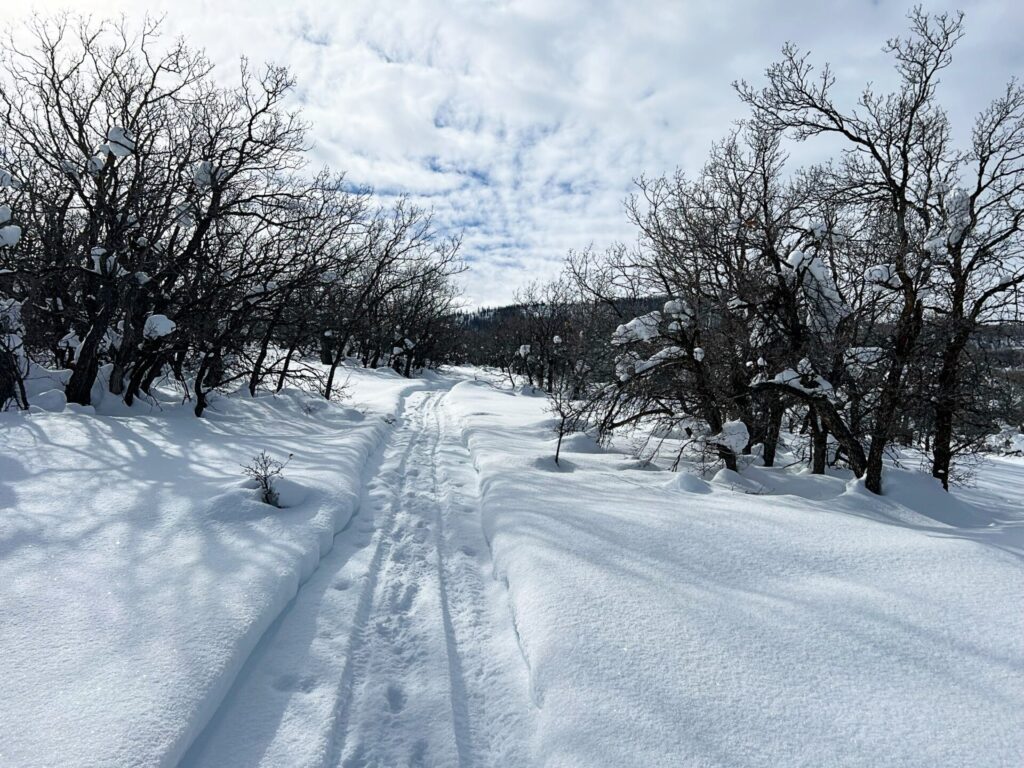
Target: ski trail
x,y
478,613
283,708
439,680
399,650
401,710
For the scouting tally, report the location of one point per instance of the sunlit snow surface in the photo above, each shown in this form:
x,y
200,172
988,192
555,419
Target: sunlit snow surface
x,y
439,590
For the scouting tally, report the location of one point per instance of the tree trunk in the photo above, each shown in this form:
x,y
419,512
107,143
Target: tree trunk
x,y
832,421
200,392
79,387
127,353
284,370
771,432
142,368
819,444
335,362
12,385
154,370
728,457
257,367
115,383
942,453
946,408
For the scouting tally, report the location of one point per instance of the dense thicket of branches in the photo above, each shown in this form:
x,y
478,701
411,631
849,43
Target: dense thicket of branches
x,y
855,296
155,221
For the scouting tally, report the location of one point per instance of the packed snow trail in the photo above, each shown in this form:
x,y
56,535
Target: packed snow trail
x,y
400,650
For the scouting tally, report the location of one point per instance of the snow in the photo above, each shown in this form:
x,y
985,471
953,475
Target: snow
x,y
104,263
10,235
798,260
686,482
818,229
882,276
158,326
935,245
804,380
120,141
8,179
436,591
958,207
666,355
52,400
1009,441
747,626
137,573
183,215
626,366
399,649
205,173
734,436
643,328
677,308
817,282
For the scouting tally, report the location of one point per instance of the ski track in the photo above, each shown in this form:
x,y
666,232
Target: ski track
x,y
419,667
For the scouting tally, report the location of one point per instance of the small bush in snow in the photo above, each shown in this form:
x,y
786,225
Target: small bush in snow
x,y
265,470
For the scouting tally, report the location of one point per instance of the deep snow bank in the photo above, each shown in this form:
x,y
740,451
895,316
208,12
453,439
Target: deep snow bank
x,y
703,624
137,572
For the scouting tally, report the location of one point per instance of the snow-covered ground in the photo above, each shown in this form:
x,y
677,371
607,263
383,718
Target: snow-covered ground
x,y
438,592
138,573
766,619
399,651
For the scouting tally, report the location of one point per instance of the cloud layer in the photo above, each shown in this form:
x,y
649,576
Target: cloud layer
x,y
523,123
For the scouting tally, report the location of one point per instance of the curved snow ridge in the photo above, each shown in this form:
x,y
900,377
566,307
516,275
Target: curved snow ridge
x,y
671,628
480,431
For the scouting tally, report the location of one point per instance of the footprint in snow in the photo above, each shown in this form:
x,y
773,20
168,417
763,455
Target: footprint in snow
x,y
396,698
401,598
290,682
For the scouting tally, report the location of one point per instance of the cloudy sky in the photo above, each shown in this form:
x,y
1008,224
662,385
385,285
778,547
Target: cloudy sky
x,y
524,122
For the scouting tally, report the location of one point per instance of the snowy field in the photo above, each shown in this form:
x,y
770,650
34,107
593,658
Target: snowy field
x,y
438,592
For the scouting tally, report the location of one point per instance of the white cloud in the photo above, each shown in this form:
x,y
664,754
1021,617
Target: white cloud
x,y
525,121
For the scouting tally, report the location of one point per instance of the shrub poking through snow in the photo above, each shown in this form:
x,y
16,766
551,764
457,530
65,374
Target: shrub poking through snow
x,y
265,470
